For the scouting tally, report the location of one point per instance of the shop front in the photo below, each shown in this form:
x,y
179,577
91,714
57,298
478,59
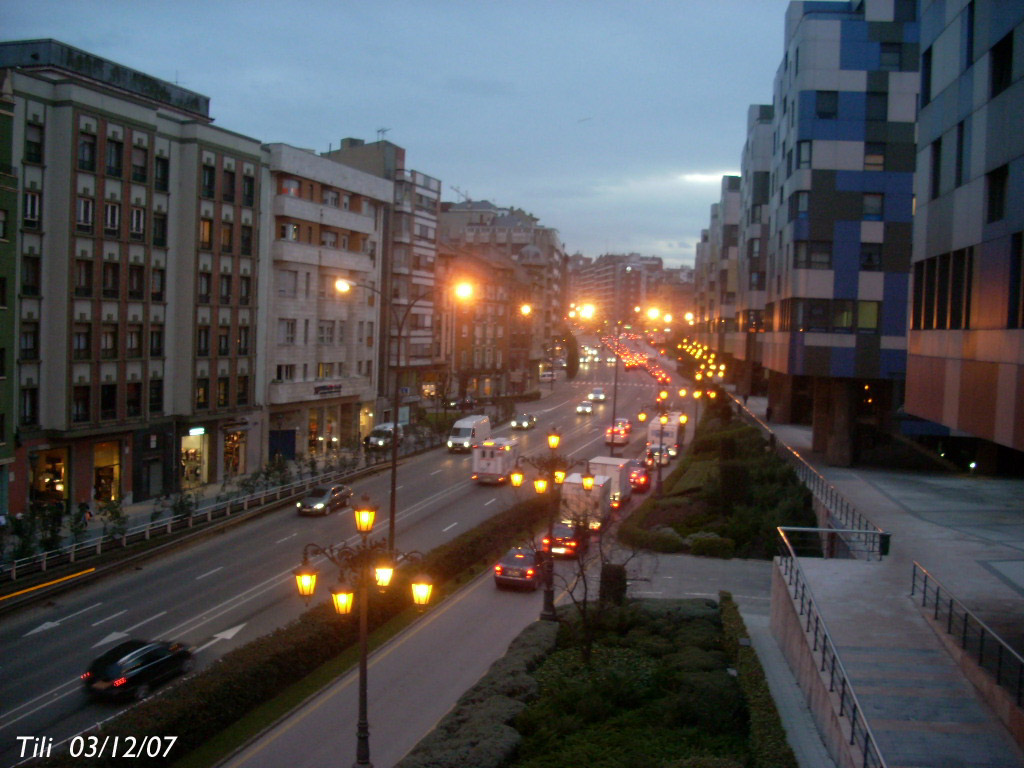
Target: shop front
x,y
194,458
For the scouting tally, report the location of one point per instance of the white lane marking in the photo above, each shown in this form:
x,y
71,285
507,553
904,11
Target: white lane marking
x,y
209,573
444,530
286,538
118,635
51,624
437,472
111,616
488,503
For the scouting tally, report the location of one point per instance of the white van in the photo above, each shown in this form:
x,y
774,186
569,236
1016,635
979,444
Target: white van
x,y
467,431
547,376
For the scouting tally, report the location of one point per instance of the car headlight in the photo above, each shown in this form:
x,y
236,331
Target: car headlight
x,y
318,505
298,504
450,443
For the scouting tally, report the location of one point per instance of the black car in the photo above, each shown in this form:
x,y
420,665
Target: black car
x,y
133,668
518,568
324,499
639,476
566,540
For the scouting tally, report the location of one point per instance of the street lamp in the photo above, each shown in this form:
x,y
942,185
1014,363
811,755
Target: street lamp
x,y
357,566
462,291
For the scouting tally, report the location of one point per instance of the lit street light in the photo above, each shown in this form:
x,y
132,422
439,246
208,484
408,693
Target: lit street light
x,y
462,291
357,566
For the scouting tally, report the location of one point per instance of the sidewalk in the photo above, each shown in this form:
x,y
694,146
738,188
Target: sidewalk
x,y
969,533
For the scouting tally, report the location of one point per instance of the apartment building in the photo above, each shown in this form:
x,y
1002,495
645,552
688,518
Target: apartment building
x,y
8,275
137,257
481,226
411,347
965,362
326,223
755,172
717,259
841,207
486,340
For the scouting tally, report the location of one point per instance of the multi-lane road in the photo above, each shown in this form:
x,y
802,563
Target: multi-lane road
x,y
226,590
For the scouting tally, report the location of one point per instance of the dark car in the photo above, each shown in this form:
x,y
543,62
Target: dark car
x,y
566,540
639,476
518,568
133,668
324,499
524,421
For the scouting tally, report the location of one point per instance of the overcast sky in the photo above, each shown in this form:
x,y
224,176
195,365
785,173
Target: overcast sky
x,y
611,121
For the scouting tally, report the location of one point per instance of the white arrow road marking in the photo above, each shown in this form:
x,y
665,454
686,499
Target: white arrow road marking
x,y
118,635
111,616
51,624
227,634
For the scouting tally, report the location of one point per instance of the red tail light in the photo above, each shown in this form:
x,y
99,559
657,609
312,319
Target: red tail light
x,y
545,541
529,573
86,675
120,681
497,569
571,543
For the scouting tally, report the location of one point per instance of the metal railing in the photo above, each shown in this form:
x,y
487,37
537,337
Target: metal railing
x,y
823,648
846,517
222,506
976,638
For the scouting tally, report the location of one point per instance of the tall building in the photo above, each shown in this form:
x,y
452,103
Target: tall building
x,y
965,364
478,225
842,200
8,278
717,260
754,235
321,346
137,256
410,348
618,283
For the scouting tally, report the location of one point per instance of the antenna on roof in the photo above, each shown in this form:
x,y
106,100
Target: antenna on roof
x,y
381,132
464,195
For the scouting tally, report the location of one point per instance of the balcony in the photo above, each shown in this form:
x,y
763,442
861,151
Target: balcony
x,y
307,210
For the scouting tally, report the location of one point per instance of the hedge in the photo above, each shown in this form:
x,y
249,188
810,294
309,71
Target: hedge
x,y
767,734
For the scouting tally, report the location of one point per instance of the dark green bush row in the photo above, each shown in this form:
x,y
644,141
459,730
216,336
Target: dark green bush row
x,y
656,692
767,734
728,484
260,670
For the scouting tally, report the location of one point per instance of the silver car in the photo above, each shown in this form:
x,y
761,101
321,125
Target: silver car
x,y
324,499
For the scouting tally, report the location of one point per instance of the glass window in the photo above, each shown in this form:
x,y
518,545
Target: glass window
x,y
867,316
161,174
889,57
248,190
209,181
156,395
80,397
86,153
137,225
877,106
33,144
874,204
826,105
871,257
874,156
206,234
227,190
995,187
115,158
202,393
1001,65
140,164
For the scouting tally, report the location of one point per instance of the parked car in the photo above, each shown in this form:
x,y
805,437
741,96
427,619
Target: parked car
x,y
524,421
324,499
585,407
517,568
566,540
133,668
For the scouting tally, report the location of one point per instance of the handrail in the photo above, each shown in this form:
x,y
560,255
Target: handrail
x,y
1004,663
847,515
861,736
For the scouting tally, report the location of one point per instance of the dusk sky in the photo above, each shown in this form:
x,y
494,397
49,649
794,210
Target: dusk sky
x,y
613,122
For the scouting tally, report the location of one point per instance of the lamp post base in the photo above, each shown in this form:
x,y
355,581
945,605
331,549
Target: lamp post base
x,y
548,612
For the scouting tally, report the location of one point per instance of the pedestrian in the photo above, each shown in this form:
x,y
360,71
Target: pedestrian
x,y
768,413
85,511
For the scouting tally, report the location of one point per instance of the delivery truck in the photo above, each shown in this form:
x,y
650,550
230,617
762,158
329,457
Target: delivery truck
x,y
582,507
494,459
617,469
669,434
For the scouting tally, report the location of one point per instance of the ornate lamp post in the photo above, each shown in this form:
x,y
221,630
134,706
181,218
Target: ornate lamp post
x,y
462,291
552,470
358,566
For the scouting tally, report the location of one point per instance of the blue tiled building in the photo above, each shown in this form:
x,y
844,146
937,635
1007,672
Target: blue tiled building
x,y
840,219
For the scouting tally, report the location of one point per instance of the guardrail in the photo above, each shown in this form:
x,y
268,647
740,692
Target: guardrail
x,y
823,648
985,647
847,517
206,512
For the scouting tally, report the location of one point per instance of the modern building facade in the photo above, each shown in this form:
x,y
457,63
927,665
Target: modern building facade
x,y
965,363
137,258
321,344
841,207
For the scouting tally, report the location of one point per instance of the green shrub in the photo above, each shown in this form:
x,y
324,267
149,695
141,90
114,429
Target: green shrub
x,y
767,734
613,584
707,699
713,546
